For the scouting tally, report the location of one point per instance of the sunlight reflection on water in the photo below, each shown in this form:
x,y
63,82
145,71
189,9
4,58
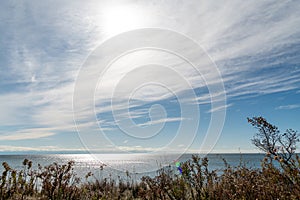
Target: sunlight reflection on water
x,y
132,163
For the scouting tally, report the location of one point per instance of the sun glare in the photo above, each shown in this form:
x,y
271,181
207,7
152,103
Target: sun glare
x,y
118,19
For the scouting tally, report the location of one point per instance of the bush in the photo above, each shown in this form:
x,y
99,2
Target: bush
x,y
196,182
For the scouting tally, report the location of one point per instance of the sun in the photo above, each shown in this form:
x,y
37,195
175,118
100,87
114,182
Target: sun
x,y
118,19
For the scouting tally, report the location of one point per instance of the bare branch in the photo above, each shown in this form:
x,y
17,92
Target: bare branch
x,y
270,140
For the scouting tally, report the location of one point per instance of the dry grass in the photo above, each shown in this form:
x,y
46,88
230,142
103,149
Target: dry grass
x,y
196,182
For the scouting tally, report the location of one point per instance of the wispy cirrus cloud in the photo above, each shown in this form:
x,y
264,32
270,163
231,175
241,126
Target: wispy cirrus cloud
x,y
220,108
14,148
288,107
25,135
159,121
254,44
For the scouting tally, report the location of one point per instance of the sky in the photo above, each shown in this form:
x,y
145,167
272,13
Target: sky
x,y
146,76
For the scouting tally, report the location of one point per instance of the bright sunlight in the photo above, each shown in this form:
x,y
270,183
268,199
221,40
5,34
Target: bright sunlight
x,y
118,19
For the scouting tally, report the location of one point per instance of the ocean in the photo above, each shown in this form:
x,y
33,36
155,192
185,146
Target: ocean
x,y
120,165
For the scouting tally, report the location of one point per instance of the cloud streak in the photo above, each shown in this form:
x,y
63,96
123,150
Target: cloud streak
x,y
288,107
159,121
24,135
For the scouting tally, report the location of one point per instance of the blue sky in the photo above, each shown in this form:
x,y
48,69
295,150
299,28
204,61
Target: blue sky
x,y
45,45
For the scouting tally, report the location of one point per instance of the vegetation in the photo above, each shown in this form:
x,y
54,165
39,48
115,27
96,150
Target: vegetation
x,y
269,139
196,181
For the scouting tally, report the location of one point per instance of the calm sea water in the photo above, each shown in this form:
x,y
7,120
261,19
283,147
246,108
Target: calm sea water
x,y
117,164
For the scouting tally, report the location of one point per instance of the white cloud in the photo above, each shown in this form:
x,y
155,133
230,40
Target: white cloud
x,y
159,121
11,148
24,135
237,35
220,108
288,107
